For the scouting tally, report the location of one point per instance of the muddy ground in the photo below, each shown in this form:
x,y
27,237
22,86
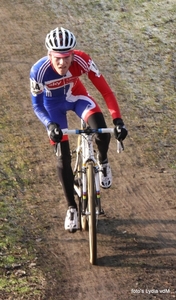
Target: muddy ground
x,y
133,43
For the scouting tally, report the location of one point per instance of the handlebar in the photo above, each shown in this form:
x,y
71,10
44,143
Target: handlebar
x,y
88,130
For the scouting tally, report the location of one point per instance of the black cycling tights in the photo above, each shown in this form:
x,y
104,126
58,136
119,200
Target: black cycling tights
x,y
65,172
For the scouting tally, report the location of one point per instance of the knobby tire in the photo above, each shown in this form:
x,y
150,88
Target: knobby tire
x,y
92,214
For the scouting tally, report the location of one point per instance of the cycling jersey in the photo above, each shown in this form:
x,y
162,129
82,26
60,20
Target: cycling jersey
x,y
53,95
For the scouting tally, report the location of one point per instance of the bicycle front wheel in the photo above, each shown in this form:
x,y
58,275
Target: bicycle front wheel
x,y
92,214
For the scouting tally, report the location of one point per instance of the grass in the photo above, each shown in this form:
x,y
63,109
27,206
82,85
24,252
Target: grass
x,y
17,246
133,44
17,250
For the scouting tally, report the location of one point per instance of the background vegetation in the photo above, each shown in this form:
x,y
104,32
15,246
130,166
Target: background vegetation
x,y
133,43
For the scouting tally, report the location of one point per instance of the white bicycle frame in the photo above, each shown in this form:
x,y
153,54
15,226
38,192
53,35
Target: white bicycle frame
x,y
87,152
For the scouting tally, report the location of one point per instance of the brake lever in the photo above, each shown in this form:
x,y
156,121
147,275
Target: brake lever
x,y
120,146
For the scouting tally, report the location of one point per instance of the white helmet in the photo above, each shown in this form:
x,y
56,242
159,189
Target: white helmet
x,y
60,40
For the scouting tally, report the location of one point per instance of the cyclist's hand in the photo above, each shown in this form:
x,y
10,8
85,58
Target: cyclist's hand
x,y
120,131
54,132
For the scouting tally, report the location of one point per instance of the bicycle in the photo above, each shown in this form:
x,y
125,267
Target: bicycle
x,y
86,182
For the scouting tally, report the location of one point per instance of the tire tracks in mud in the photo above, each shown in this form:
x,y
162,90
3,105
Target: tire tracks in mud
x,y
136,237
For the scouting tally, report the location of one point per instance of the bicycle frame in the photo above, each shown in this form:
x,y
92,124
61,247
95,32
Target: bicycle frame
x,y
86,169
86,151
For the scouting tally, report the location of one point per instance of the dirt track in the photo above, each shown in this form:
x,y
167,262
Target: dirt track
x,y
136,237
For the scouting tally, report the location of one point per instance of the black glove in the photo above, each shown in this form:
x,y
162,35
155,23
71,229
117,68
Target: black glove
x,y
120,131
54,132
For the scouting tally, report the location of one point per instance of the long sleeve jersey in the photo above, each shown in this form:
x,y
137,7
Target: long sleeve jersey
x,y
48,87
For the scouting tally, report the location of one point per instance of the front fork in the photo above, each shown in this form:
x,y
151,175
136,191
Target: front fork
x,y
97,190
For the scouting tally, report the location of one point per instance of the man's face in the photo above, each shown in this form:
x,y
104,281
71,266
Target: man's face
x,y
61,64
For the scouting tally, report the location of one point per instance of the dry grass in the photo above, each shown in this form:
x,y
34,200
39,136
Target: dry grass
x,y
133,43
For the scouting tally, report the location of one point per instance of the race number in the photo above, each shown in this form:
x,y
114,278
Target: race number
x,y
36,88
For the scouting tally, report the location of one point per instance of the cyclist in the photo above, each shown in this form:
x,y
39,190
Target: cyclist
x,y
56,89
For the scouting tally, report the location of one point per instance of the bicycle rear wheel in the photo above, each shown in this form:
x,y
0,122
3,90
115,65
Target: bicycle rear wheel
x,y
92,214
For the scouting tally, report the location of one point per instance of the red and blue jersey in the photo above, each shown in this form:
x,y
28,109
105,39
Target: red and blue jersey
x,y
52,93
